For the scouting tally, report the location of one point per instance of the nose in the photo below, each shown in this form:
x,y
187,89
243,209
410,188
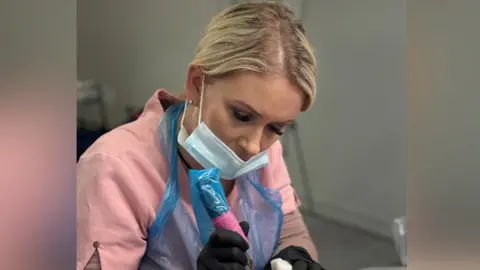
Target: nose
x,y
251,144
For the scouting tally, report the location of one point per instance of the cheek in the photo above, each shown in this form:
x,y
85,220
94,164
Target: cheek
x,y
221,124
268,141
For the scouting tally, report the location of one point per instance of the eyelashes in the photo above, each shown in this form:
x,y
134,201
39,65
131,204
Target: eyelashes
x,y
278,131
241,116
245,118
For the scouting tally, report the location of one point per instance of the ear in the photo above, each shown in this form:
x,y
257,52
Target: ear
x,y
193,86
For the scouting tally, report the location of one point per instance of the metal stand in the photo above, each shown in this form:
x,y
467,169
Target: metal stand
x,y
94,95
310,204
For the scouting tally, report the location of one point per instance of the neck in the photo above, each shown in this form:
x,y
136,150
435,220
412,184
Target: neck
x,y
190,163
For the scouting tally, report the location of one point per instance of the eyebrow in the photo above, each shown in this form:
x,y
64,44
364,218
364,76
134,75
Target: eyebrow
x,y
248,107
259,115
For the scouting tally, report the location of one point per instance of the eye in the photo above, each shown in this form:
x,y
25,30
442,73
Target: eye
x,y
242,117
277,130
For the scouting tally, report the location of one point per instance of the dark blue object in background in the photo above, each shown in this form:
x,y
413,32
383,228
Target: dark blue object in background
x,y
86,137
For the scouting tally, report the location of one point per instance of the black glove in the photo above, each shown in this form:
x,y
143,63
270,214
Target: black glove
x,y
298,257
225,250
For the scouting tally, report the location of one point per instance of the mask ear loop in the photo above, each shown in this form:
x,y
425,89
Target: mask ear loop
x,y
201,100
184,110
190,102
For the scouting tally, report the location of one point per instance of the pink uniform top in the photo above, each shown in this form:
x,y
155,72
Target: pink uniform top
x,y
121,179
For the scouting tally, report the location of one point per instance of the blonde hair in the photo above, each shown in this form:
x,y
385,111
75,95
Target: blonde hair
x,y
258,37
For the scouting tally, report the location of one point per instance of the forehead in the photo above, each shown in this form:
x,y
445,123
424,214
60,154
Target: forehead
x,y
272,96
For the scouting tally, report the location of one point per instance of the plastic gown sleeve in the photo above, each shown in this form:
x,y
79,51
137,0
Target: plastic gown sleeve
x,y
275,176
109,215
294,231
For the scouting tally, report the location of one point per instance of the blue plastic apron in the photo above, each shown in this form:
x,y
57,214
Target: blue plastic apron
x,y
173,239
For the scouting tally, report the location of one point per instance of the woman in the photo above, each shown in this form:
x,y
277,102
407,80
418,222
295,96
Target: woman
x,y
253,73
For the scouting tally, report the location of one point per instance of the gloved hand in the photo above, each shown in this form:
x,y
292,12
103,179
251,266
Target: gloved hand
x,y
225,250
298,257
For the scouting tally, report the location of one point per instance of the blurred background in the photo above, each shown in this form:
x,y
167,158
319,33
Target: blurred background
x,y
346,156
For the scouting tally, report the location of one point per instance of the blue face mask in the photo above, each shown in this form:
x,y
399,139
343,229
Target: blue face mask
x,y
210,152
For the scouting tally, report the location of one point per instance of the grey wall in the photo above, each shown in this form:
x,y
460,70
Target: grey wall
x,y
136,47
443,133
354,135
